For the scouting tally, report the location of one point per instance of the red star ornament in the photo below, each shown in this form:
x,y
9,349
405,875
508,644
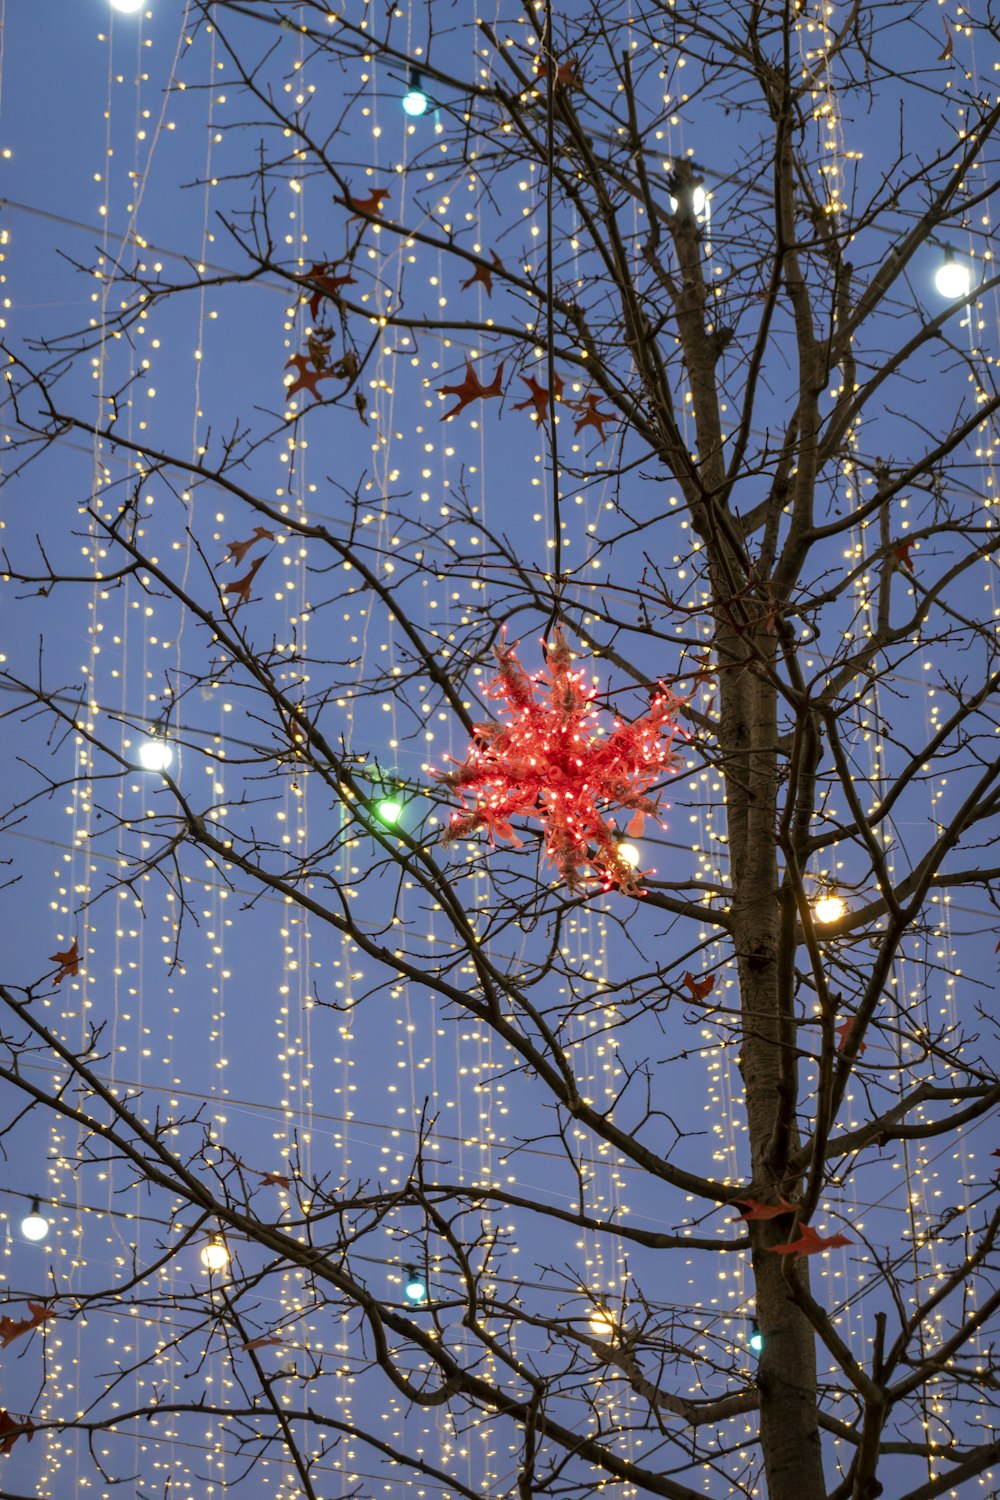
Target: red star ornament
x,y
471,389
484,273
549,763
539,397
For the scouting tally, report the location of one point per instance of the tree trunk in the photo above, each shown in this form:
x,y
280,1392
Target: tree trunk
x,y
787,1369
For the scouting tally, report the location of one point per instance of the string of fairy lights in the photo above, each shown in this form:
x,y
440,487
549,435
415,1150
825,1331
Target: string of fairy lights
x,y
137,1034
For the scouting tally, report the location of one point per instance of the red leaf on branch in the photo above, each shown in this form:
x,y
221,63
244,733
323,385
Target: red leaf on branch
x,y
591,416
756,1211
539,397
548,763
700,987
810,1243
238,550
843,1033
11,1430
901,552
264,1342
69,962
324,283
242,586
370,205
274,1179
567,73
307,376
11,1329
484,273
471,389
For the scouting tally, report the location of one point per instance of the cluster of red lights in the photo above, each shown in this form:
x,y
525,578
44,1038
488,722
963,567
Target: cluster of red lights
x,y
549,762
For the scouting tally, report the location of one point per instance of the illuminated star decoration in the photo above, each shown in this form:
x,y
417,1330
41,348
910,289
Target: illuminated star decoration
x,y
550,763
471,389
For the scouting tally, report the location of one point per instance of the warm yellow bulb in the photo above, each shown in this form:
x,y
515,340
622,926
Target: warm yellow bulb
x,y
630,854
829,907
214,1255
602,1324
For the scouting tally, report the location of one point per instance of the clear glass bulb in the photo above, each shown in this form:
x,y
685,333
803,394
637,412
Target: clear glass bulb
x,y
155,755
215,1256
34,1225
699,199
829,907
953,278
416,1287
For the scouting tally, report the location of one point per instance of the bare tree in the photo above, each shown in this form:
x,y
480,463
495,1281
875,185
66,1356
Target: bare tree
x,y
785,448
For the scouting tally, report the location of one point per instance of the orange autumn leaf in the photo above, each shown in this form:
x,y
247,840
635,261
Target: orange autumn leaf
x,y
756,1211
11,1430
69,961
471,389
810,1243
265,1341
11,1329
700,987
241,586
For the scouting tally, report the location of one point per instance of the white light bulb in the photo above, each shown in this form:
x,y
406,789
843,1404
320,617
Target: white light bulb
x,y
415,101
128,7
699,201
829,907
953,278
630,854
416,1287
602,1324
34,1225
155,755
215,1256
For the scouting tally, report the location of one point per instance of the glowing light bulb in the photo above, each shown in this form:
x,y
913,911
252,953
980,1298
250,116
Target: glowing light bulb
x,y
214,1255
699,201
953,278
756,1339
389,810
602,1324
155,755
829,907
128,7
630,854
34,1225
415,1286
415,101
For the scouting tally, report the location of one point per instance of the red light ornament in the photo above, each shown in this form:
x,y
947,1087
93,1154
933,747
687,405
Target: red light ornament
x,y
550,762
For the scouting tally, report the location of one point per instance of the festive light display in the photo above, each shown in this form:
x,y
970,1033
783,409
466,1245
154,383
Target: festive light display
x,y
365,1052
551,762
